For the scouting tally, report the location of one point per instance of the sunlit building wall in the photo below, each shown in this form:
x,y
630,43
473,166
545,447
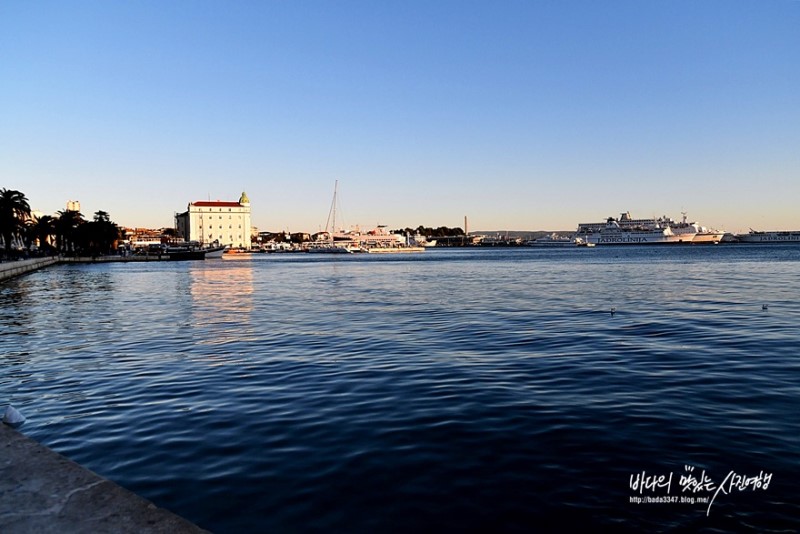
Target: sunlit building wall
x,y
208,222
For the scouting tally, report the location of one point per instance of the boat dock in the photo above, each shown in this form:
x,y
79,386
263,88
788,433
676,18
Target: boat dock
x,y
44,492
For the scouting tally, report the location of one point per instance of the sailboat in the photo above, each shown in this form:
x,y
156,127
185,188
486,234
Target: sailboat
x,y
327,244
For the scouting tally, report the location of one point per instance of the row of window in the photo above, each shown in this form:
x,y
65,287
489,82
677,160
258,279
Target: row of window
x,y
230,237
212,209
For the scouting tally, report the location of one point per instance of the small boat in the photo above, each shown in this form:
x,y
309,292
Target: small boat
x,y
215,252
332,247
184,255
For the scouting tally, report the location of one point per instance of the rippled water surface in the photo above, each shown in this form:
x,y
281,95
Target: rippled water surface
x,y
451,390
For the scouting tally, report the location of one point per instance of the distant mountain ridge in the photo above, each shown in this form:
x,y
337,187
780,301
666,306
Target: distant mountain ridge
x,y
523,234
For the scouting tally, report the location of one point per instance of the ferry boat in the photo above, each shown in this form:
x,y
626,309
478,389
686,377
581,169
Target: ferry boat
x,y
613,233
552,240
701,233
769,237
555,240
690,232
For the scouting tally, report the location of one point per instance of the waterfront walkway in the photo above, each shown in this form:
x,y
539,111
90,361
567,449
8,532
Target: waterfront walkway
x,y
45,493
9,269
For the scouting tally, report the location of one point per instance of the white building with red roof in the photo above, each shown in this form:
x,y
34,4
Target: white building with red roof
x,y
209,222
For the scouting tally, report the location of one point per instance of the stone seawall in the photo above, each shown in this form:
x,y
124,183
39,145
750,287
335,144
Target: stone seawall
x,y
44,492
9,269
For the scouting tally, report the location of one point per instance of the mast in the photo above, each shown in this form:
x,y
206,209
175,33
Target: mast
x,y
331,222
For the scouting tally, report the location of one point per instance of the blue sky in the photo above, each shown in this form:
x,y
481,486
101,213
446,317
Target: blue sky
x,y
521,115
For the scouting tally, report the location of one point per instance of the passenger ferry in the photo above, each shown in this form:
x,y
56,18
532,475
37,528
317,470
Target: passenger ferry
x,y
769,237
690,232
555,240
614,233
552,240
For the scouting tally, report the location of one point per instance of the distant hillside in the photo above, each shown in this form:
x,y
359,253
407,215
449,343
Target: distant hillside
x,y
523,234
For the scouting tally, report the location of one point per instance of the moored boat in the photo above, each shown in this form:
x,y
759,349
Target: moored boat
x,y
615,234
215,252
686,232
702,235
552,240
755,236
332,247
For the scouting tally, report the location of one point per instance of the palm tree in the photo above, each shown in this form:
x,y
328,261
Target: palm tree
x,y
66,229
28,233
98,236
14,210
44,228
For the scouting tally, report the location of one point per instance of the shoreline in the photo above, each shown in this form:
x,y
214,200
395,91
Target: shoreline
x,y
10,269
43,491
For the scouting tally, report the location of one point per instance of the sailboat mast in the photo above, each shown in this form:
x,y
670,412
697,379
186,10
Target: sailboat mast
x,y
330,224
333,222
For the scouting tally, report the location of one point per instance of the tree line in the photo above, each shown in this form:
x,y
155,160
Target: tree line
x,y
426,231
65,233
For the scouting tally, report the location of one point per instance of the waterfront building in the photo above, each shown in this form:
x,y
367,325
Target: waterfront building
x,y
207,222
141,238
73,205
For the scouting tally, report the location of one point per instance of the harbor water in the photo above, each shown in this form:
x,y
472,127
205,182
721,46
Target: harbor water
x,y
452,390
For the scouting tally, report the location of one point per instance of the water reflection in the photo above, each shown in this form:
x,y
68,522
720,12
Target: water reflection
x,y
222,301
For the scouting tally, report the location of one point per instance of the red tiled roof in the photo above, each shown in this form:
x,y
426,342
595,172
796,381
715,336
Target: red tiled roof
x,y
217,204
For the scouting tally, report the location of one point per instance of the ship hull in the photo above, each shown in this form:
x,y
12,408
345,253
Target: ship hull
x,y
770,237
636,238
708,238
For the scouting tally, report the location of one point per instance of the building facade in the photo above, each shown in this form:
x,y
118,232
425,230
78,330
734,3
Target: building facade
x,y
209,222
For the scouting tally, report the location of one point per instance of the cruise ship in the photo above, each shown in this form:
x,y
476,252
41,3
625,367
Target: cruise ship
x,y
690,232
769,237
614,233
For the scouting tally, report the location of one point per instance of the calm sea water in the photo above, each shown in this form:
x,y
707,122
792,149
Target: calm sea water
x,y
451,390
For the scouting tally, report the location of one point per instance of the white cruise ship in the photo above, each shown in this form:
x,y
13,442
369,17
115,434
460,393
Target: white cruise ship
x,y
614,233
690,232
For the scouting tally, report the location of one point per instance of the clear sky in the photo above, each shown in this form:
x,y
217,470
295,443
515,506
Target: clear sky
x,y
521,115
